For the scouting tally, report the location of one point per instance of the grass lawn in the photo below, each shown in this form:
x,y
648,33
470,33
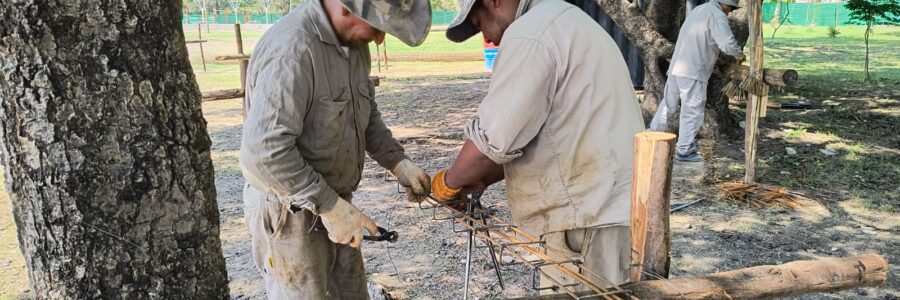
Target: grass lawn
x,y
859,121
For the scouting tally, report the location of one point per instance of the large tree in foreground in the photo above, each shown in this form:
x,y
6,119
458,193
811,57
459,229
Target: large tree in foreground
x,y
106,150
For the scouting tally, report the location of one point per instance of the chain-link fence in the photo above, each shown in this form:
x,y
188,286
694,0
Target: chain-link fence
x,y
223,17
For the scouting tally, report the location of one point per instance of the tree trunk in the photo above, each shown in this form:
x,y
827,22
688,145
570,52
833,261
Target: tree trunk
x,y
868,30
108,162
776,15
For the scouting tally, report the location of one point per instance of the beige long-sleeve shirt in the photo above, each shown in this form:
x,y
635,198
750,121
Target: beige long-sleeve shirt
x,y
560,116
311,113
705,31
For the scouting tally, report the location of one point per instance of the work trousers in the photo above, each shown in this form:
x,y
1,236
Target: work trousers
x,y
296,259
605,253
692,95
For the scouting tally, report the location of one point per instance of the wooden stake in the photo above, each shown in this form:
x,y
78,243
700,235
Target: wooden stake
x,y
751,127
244,63
385,56
200,38
764,282
650,186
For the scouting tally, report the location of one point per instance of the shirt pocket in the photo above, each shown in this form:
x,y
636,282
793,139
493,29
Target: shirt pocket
x,y
330,117
366,97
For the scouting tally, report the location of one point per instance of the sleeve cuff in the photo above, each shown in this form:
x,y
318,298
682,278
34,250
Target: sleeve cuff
x,y
478,137
316,202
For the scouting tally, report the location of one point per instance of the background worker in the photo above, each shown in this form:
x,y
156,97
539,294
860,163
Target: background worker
x,y
703,34
311,118
558,123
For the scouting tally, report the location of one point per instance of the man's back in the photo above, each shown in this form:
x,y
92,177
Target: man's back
x,y
704,32
561,96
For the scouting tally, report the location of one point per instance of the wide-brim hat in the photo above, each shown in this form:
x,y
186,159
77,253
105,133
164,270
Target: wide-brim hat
x,y
408,20
461,29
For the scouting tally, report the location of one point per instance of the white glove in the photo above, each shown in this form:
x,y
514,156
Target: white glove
x,y
414,179
345,222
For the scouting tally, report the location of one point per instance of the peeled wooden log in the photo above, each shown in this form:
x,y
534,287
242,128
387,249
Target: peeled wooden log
x,y
650,187
776,77
233,57
764,282
222,94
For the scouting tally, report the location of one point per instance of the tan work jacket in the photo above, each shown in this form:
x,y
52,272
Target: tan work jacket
x,y
311,114
560,116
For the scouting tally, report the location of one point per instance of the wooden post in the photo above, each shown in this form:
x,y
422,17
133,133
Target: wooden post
x,y
754,102
385,55
243,65
200,38
763,282
650,184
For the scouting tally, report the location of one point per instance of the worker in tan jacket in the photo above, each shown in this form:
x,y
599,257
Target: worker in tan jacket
x,y
311,119
558,124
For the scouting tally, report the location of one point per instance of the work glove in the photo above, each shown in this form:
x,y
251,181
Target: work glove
x,y
414,179
440,191
345,222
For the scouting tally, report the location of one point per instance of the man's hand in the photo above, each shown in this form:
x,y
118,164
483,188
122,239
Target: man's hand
x,y
414,179
740,57
345,222
442,192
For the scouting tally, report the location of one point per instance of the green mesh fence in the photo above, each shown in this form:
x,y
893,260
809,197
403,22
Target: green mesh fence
x,y
438,18
824,14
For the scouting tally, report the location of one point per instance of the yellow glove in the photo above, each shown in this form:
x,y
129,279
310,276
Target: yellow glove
x,y
439,189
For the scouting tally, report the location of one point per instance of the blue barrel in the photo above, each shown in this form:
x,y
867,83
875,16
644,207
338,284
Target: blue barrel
x,y
489,55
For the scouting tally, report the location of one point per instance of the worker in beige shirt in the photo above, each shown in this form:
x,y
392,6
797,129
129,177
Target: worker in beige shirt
x,y
311,118
558,124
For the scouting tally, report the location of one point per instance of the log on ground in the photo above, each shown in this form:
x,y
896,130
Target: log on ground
x,y
764,282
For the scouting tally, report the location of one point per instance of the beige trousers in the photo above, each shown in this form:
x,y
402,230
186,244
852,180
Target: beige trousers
x,y
605,251
297,261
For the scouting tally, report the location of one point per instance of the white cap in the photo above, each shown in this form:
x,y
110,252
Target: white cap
x,y
733,3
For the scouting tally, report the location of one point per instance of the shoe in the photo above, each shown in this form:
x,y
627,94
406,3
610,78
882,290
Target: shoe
x,y
690,157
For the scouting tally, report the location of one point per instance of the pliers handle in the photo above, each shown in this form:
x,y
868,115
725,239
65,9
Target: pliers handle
x,y
383,235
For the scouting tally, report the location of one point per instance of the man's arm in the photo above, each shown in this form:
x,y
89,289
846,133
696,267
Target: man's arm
x,y
471,166
269,157
380,143
723,37
510,116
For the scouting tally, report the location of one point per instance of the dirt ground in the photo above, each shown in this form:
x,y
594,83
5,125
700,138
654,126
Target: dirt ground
x,y
427,263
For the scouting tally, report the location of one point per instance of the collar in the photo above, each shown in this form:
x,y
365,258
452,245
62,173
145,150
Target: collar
x,y
524,6
322,23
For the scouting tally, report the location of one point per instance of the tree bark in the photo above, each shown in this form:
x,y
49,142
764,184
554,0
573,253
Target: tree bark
x,y
108,162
